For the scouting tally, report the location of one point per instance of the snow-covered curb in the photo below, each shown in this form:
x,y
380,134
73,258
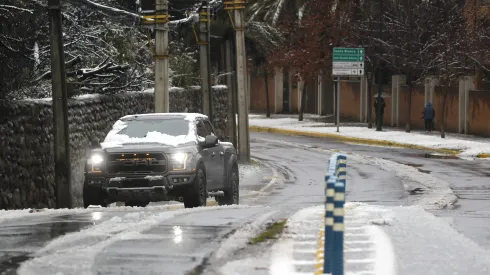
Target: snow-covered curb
x,y
468,148
437,195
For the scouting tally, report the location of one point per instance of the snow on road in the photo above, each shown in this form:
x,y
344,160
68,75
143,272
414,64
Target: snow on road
x,y
436,195
470,146
76,253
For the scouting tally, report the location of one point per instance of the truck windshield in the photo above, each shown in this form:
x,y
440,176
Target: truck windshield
x,y
140,128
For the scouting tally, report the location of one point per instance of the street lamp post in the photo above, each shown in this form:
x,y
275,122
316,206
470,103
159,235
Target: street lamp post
x,y
379,106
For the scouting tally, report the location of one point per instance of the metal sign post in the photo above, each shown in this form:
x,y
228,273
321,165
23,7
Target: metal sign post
x,y
338,105
346,62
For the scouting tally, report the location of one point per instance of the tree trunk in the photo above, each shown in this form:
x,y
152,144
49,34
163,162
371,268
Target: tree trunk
x,y
370,103
408,125
266,79
303,100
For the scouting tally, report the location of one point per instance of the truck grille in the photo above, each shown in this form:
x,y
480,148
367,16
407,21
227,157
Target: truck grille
x,y
136,163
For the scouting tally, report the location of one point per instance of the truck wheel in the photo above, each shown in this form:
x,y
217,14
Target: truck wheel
x,y
232,195
197,194
93,196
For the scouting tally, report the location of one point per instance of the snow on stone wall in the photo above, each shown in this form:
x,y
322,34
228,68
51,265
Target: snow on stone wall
x,y
26,139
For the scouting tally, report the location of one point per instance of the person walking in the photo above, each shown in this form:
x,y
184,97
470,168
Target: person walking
x,y
429,115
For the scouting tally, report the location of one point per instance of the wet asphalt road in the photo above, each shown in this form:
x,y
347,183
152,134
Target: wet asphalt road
x,y
180,242
469,179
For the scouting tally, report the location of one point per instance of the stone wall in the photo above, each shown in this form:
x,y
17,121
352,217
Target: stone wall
x,y
26,139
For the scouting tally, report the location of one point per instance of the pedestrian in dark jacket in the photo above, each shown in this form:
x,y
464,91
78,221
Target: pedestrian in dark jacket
x,y
429,115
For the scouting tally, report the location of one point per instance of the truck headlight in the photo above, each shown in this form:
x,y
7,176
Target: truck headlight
x,y
96,162
97,159
178,161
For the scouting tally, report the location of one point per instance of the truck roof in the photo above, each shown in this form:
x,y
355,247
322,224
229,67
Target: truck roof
x,y
186,116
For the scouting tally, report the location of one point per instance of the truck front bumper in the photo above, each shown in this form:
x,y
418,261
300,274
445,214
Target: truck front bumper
x,y
139,188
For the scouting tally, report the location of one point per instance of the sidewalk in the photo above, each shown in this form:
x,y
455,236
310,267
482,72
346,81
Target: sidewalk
x,y
456,144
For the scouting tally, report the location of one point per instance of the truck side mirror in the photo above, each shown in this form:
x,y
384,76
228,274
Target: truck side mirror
x,y
210,142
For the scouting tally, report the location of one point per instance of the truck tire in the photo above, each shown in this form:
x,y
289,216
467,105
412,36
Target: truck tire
x,y
196,195
93,196
232,194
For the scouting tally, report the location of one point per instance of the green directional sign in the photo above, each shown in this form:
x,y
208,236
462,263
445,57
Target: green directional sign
x,y
349,54
348,61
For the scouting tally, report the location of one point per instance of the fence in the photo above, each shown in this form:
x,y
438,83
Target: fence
x,y
333,234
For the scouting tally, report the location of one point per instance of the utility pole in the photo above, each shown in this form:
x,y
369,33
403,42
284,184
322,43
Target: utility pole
x,y
161,56
60,109
231,93
379,106
238,7
205,58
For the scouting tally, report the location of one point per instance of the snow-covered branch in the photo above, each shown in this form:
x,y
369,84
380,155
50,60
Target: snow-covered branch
x,y
9,7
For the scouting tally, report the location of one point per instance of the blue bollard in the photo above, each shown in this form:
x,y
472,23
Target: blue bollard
x,y
338,229
342,169
328,248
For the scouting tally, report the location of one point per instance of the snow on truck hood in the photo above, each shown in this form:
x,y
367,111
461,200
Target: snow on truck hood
x,y
114,140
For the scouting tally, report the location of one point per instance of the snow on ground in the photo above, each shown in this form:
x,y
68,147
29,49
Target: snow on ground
x,y
75,253
381,240
6,215
368,250
426,244
469,147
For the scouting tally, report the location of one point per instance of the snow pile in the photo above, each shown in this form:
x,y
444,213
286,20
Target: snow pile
x,y
470,148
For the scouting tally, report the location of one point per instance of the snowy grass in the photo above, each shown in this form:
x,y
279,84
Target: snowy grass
x,y
270,233
244,235
469,147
